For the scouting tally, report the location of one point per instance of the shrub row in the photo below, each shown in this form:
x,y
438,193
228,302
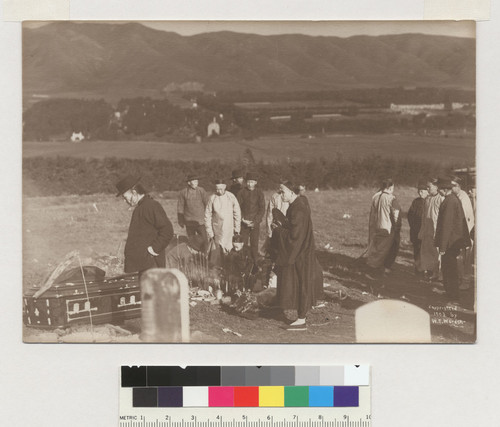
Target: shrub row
x,y
67,175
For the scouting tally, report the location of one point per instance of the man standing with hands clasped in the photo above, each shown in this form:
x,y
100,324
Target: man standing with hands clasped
x,y
253,207
150,230
222,217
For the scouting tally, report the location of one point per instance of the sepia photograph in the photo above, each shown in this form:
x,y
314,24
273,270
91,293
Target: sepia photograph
x,y
249,182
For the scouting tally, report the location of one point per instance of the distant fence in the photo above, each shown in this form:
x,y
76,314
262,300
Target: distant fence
x,y
67,175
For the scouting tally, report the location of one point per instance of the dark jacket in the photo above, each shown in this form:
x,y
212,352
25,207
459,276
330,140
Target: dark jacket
x,y
191,205
415,214
451,228
235,188
149,226
252,204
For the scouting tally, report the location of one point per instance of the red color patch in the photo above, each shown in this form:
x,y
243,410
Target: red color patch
x,y
246,396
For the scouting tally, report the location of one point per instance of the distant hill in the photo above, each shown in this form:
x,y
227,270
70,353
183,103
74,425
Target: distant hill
x,y
86,58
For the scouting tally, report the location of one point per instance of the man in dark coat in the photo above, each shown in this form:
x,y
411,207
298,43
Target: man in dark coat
x,y
299,273
253,206
415,214
452,235
191,204
150,230
237,178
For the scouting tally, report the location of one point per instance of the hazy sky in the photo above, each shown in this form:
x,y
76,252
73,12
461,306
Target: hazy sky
x,y
314,28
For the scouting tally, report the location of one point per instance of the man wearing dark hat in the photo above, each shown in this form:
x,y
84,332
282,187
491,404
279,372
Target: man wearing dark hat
x,y
150,230
253,207
191,204
237,178
415,214
452,235
300,277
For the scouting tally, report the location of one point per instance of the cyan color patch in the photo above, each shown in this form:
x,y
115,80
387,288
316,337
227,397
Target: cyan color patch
x,y
320,396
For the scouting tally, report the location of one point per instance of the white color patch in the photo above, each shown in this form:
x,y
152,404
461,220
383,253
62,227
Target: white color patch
x,y
195,396
357,375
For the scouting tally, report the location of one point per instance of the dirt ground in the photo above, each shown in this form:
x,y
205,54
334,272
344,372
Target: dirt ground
x,y
54,226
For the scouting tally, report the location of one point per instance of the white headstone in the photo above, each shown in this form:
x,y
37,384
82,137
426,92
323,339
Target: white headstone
x,y
392,321
165,306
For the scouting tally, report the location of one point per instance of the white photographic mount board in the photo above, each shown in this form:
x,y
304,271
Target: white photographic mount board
x,y
412,385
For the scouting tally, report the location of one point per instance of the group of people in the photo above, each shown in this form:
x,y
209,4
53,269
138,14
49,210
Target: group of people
x,y
442,225
224,223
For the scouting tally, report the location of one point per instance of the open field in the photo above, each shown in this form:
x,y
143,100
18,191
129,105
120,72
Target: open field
x,y
54,226
451,150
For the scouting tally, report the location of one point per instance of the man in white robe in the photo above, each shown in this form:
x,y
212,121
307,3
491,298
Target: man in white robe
x,y
222,217
384,228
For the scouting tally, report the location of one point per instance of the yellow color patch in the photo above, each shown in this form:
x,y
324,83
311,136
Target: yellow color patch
x,y
272,396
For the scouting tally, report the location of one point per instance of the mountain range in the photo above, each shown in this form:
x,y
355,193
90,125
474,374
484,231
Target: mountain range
x,y
70,57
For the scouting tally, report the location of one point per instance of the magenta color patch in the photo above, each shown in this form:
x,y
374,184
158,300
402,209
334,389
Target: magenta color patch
x,y
221,396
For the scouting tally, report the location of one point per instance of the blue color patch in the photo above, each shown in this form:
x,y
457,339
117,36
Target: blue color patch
x,y
346,396
320,396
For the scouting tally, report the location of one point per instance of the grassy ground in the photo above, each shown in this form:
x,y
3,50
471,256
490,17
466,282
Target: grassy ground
x,y
54,226
269,148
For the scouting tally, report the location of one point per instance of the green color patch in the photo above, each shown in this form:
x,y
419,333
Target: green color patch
x,y
297,396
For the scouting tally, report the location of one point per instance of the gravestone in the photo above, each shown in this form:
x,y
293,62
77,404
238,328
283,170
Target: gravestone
x,y
165,306
392,321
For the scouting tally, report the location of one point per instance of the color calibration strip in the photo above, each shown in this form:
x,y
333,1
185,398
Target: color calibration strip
x,y
244,386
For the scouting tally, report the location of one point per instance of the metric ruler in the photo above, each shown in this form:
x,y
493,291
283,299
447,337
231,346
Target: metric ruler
x,y
251,396
248,417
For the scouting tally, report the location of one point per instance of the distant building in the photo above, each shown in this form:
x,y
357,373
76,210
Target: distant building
x,y
415,109
281,118
213,128
77,137
459,105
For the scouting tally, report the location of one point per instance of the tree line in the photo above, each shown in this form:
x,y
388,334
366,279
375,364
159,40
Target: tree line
x,y
136,118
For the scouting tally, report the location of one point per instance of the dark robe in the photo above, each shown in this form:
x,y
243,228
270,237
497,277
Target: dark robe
x,y
451,228
452,235
253,207
415,214
300,277
235,188
149,226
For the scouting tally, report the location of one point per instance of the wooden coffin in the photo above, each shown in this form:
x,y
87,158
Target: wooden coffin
x,y
110,300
